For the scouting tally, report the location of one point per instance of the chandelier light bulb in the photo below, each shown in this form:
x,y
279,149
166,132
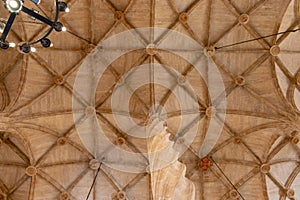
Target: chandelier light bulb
x,y
67,10
64,29
2,25
14,6
32,49
12,44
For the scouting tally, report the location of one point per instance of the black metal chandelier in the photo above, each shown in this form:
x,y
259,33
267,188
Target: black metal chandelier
x,y
14,7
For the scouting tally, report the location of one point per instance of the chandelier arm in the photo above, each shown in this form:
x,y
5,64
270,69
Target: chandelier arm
x,y
56,11
40,8
37,16
7,28
51,29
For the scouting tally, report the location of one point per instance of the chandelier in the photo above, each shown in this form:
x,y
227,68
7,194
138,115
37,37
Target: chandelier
x,y
15,7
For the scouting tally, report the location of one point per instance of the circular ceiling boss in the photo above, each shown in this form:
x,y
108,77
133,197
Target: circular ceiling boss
x,y
92,69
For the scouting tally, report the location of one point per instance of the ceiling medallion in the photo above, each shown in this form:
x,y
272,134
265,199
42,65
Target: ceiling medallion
x,y
94,164
31,171
275,50
32,9
64,196
205,164
265,168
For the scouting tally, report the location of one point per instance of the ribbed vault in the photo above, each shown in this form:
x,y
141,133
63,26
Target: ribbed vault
x,y
257,154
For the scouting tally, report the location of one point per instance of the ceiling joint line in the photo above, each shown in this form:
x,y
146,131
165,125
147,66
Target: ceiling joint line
x,y
209,24
18,184
111,180
32,188
134,181
291,95
256,6
249,28
125,22
248,176
275,181
3,187
192,6
291,27
222,67
235,188
267,102
187,128
192,33
43,28
246,113
256,64
225,93
120,133
172,6
110,5
152,80
80,148
42,10
35,99
10,67
292,176
13,32
106,34
140,61
134,30
267,125
150,192
42,159
50,180
129,6
231,7
278,148
225,33
152,20
91,20
44,64
5,96
158,58
284,69
15,148
229,130
165,34
76,94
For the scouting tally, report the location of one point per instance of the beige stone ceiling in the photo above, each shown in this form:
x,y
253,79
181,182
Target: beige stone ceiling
x,y
257,154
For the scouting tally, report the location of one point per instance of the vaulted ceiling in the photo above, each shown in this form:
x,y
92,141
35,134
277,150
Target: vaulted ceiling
x,y
241,143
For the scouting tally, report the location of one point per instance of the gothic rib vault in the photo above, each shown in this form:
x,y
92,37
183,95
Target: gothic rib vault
x,y
257,154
